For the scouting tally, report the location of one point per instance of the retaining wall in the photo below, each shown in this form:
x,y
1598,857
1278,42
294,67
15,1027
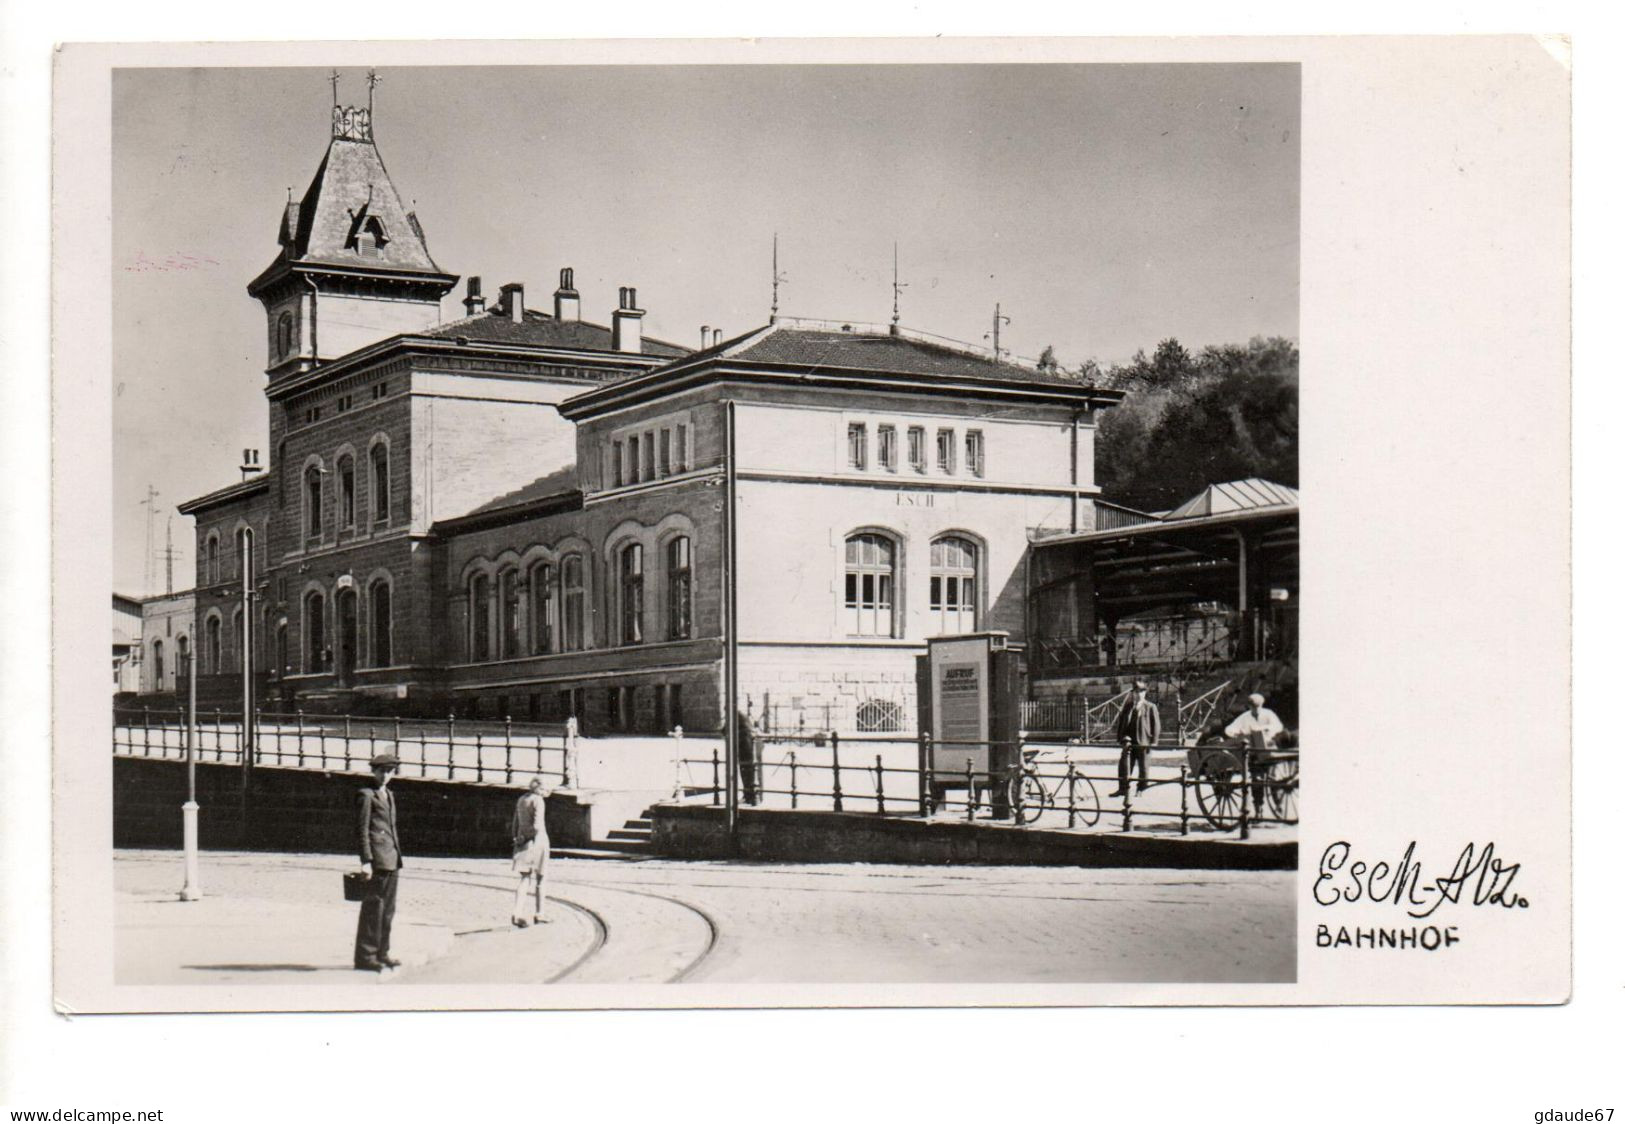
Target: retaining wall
x,y
312,811
774,835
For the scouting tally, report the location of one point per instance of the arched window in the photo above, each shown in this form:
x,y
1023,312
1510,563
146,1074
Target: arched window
x,y
313,502
382,625
315,632
679,590
871,574
543,608
508,614
347,492
284,335
575,603
211,560
630,589
380,483
479,618
157,665
953,585
211,647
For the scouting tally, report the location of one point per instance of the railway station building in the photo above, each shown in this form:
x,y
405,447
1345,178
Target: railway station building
x,y
521,511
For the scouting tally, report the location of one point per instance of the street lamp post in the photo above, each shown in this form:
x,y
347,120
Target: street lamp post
x,y
192,890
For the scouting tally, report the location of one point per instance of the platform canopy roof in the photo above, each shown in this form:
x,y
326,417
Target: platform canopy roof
x,y
1251,494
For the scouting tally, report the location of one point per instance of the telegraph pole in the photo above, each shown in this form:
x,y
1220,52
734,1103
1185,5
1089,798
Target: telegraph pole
x,y
245,544
999,319
731,629
192,890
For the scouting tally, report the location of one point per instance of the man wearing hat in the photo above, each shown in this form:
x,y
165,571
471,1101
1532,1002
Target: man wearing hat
x,y
1138,728
381,859
1258,725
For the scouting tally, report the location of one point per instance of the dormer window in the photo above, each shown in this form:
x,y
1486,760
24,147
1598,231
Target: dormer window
x,y
367,234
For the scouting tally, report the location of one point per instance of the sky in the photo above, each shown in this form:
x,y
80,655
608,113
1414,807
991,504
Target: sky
x,y
1102,207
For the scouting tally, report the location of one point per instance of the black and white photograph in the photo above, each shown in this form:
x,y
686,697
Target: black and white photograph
x,y
741,525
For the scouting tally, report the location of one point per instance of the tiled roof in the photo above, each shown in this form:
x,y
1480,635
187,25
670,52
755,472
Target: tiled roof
x,y
542,330
560,483
350,190
869,350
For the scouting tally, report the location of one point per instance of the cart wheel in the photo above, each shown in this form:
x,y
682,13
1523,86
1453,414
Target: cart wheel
x,y
1085,799
1283,790
1027,797
1219,789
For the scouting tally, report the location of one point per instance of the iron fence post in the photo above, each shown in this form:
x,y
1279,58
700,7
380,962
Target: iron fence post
x,y
279,743
1071,795
970,790
572,751
146,733
880,787
716,777
677,763
219,742
451,745
792,778
1184,800
479,757
345,741
835,764
1246,791
507,749
1128,806
299,717
924,768
372,743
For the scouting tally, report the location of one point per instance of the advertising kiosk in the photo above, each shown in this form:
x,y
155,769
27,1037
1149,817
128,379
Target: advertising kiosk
x,y
970,703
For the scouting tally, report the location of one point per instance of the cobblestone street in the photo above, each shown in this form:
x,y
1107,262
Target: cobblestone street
x,y
277,919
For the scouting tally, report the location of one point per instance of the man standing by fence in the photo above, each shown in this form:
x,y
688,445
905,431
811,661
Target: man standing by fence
x,y
381,859
1138,728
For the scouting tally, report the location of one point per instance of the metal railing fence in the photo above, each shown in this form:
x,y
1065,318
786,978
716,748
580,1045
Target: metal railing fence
x,y
1224,790
452,749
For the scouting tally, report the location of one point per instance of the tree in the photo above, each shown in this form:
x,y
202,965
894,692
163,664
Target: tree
x,y
1229,413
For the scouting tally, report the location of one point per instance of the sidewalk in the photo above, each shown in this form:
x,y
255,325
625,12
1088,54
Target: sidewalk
x,y
245,940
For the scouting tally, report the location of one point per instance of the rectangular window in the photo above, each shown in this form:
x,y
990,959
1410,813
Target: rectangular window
x,y
945,450
665,452
888,447
916,447
973,452
680,454
857,445
620,464
649,456
631,460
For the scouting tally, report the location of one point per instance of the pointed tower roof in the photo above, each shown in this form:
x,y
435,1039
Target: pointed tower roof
x,y
351,218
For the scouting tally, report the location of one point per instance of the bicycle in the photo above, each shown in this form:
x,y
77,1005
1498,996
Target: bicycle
x,y
1071,791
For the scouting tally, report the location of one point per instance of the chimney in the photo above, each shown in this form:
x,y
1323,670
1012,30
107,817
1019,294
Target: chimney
x,y
511,302
705,336
251,463
716,336
475,301
627,334
566,301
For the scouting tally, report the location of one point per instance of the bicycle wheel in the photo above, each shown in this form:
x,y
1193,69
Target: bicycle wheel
x,y
1027,797
1219,789
1085,805
1283,790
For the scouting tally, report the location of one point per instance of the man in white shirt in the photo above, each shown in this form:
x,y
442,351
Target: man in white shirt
x,y
1257,719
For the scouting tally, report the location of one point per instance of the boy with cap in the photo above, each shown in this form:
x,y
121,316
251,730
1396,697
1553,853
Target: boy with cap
x,y
381,859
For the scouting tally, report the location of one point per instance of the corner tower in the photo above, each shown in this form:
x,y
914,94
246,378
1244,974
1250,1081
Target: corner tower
x,y
354,266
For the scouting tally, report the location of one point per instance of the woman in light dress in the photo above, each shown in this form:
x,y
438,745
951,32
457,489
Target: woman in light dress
x,y
530,856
